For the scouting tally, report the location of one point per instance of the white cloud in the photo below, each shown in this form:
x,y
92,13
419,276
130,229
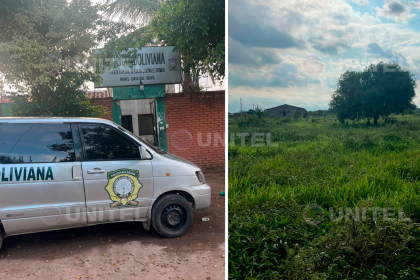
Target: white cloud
x,y
332,30
361,2
398,10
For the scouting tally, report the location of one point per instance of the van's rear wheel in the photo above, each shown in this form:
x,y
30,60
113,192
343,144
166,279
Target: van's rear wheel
x,y
172,216
1,239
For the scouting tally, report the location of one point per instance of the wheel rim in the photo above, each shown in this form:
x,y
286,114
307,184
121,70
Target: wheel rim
x,y
174,217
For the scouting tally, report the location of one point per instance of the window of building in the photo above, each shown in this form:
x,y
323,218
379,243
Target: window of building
x,y
127,122
146,124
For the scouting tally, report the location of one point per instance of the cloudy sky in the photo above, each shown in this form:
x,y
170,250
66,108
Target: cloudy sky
x,y
294,51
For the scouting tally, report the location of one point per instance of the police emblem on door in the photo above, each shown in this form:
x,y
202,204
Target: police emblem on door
x,y
123,187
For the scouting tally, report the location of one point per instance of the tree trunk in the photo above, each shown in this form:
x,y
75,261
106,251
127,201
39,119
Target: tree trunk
x,y
36,94
189,84
375,120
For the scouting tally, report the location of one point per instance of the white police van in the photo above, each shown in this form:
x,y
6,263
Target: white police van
x,y
58,173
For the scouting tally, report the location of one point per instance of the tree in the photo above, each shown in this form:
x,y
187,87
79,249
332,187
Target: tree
x,y
196,28
68,99
259,112
135,11
8,9
378,91
320,113
44,49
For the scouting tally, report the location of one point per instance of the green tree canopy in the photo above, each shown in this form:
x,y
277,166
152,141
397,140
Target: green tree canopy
x,y
378,91
8,9
135,11
195,27
45,47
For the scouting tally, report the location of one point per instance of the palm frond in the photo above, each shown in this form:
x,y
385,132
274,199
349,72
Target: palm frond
x,y
135,11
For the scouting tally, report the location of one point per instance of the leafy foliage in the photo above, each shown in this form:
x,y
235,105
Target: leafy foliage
x,y
195,28
67,100
135,11
45,50
359,250
253,118
8,9
376,92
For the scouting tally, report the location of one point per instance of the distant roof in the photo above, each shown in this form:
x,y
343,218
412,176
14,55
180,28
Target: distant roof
x,y
287,105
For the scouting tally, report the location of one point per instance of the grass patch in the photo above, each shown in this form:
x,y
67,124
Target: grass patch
x,y
321,162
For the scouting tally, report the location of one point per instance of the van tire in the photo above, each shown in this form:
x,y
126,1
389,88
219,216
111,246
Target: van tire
x,y
172,215
1,239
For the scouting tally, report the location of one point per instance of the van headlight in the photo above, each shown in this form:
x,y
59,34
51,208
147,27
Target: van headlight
x,y
200,177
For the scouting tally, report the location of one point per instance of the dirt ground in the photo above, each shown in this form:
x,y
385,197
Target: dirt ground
x,y
123,250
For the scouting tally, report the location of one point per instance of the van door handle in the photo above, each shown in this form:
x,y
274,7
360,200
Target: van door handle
x,y
96,171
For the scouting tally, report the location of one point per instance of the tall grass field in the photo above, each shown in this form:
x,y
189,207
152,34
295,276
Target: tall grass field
x,y
316,199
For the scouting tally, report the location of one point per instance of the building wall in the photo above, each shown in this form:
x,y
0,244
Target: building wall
x,y
288,109
196,127
107,102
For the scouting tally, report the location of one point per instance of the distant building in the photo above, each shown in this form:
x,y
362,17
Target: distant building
x,y
284,111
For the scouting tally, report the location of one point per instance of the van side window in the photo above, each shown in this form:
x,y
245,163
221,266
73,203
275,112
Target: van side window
x,y
104,143
36,142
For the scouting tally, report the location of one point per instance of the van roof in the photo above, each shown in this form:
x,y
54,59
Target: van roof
x,y
53,120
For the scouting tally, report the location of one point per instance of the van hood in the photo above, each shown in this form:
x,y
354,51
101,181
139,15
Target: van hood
x,y
177,158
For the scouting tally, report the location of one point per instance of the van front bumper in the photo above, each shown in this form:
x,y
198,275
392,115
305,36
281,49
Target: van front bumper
x,y
201,195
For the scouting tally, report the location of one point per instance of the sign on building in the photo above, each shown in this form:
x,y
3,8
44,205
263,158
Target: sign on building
x,y
151,66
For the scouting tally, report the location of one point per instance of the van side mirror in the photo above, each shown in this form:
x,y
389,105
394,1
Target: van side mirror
x,y
144,153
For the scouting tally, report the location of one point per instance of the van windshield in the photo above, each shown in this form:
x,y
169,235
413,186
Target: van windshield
x,y
153,148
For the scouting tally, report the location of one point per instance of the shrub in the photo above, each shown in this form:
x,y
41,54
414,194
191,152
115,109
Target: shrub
x,y
360,250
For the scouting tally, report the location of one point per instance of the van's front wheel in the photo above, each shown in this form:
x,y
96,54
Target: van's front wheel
x,y
172,216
